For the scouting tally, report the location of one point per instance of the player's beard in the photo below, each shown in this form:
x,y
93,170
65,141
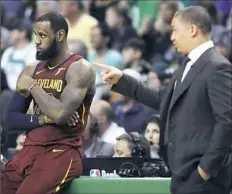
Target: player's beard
x,y
50,52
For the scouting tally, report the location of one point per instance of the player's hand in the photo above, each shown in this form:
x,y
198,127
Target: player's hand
x,y
72,122
110,75
23,84
43,119
29,70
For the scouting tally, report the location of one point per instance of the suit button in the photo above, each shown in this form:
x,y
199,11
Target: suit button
x,y
170,144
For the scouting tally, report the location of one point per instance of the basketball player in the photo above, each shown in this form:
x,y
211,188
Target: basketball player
x,y
59,85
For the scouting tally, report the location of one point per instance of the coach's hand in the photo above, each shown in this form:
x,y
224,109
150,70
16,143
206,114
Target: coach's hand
x,y
110,75
24,83
203,174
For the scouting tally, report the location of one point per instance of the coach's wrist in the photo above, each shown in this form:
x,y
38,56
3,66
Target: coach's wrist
x,y
204,175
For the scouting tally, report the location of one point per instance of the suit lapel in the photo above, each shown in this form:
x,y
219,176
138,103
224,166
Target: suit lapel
x,y
192,74
168,95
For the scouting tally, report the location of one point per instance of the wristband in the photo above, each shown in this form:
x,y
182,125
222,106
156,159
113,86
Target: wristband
x,y
32,86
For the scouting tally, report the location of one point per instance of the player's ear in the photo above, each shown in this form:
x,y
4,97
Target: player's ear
x,y
60,35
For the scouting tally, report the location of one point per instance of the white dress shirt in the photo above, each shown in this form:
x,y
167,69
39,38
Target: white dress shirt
x,y
112,133
195,54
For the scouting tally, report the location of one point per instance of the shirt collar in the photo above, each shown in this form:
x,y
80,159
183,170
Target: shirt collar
x,y
198,51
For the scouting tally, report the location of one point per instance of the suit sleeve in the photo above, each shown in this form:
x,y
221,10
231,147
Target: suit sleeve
x,y
220,97
130,87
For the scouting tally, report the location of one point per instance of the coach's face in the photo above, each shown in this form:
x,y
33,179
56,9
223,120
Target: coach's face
x,y
46,43
181,35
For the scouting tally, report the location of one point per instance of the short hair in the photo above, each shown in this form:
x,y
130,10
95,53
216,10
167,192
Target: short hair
x,y
131,144
80,4
56,20
136,44
198,16
121,13
105,30
104,108
172,5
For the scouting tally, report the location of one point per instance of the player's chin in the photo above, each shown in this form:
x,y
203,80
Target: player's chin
x,y
40,55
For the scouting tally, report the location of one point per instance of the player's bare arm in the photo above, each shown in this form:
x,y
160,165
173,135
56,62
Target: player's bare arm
x,y
80,79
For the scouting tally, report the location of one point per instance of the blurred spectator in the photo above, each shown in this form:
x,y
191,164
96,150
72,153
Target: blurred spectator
x,y
27,10
152,134
5,35
120,25
229,21
20,54
224,7
43,7
219,33
132,56
78,46
100,39
132,10
108,130
128,113
93,146
127,143
3,14
80,23
5,96
97,8
157,34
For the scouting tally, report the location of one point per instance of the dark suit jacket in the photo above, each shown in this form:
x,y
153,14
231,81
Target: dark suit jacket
x,y
196,120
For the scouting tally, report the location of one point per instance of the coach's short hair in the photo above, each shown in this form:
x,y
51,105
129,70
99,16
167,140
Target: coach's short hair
x,y
198,16
56,20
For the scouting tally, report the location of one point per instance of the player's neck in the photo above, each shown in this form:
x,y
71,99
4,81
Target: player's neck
x,y
59,59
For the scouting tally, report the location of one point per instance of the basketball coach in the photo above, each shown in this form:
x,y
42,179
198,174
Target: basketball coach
x,y
196,108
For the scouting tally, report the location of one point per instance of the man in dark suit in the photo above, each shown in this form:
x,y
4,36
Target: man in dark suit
x,y
196,109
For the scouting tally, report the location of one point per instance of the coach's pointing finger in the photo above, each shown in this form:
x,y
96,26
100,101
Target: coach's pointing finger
x,y
110,75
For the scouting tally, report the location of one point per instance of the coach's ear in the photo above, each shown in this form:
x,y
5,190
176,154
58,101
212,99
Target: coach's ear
x,y
60,35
